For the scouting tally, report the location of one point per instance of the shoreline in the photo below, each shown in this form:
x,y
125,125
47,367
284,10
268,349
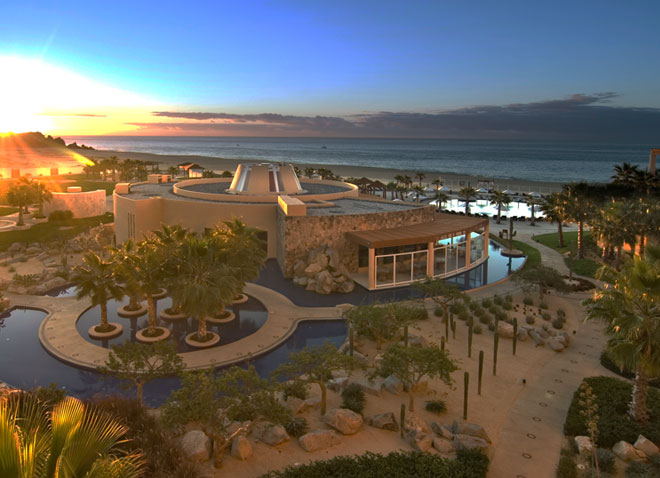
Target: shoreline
x,y
385,175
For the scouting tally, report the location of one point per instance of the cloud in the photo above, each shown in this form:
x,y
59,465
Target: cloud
x,y
576,117
77,115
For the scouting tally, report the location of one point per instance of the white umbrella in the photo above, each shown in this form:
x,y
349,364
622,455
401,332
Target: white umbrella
x,y
536,195
482,190
429,189
509,192
444,189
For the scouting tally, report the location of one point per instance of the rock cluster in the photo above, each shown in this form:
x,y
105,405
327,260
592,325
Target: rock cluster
x,y
323,272
640,451
557,340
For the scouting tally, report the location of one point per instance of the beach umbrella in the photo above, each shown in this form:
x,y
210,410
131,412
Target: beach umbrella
x,y
509,192
429,189
444,189
535,194
482,190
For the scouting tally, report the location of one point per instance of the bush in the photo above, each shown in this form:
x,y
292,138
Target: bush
x,y
503,316
508,298
296,427
486,303
546,316
638,469
295,388
543,306
477,329
606,460
558,324
561,314
507,306
438,311
613,398
498,300
527,300
468,464
491,326
353,398
50,395
436,406
530,320
484,319
60,216
465,315
493,309
25,280
567,467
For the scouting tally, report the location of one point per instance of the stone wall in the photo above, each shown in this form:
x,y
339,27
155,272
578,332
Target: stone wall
x,y
87,204
298,235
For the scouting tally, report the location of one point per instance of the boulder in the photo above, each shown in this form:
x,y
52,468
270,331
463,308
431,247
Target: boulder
x,y
542,332
235,425
311,285
347,286
417,341
196,446
344,420
324,283
385,421
371,387
522,335
419,440
646,446
413,422
299,268
442,430
312,270
538,340
468,442
273,435
473,430
334,261
241,448
627,452
442,445
555,344
337,384
583,444
317,256
301,280
294,404
393,385
319,440
311,403
505,330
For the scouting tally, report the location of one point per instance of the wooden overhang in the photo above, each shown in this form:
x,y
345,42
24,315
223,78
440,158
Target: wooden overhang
x,y
445,225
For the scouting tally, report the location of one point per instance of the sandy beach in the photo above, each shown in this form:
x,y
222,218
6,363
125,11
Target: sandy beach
x,y
453,181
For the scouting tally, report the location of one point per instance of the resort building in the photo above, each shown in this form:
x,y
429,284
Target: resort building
x,y
377,242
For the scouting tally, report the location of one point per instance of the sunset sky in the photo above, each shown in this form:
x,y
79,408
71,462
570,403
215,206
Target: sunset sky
x,y
336,68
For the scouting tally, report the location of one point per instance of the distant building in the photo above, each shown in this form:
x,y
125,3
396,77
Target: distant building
x,y
191,170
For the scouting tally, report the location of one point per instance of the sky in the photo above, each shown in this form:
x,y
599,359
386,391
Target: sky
x,y
445,69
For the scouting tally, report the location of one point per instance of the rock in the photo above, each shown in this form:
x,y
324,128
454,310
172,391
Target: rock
x,y
560,339
417,341
294,404
15,247
538,340
442,445
324,283
196,446
319,440
583,444
555,345
386,421
301,280
393,385
312,270
359,358
311,285
33,250
413,422
522,335
372,388
299,268
442,430
473,430
347,286
235,425
504,330
627,452
273,435
317,255
419,440
344,420
337,384
311,403
542,332
467,442
334,261
646,446
241,448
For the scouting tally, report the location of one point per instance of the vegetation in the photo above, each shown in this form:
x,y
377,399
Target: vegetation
x,y
441,292
468,464
533,255
435,406
353,398
543,278
296,427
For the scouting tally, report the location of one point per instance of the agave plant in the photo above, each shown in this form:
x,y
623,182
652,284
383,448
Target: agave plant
x,y
71,441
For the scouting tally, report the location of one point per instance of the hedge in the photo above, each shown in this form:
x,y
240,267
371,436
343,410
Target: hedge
x,y
468,464
613,398
609,364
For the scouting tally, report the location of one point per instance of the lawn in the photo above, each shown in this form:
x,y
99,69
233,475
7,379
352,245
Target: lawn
x,y
6,211
49,231
532,253
583,267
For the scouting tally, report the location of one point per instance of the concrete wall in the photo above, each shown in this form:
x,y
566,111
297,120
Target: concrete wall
x,y
298,235
87,204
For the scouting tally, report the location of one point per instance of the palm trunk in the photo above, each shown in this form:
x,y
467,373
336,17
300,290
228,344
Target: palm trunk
x,y
324,393
104,315
152,313
499,213
411,399
532,221
201,330
642,241
467,207
20,217
560,231
638,409
580,240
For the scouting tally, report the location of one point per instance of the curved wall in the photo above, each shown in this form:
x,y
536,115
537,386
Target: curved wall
x,y
83,204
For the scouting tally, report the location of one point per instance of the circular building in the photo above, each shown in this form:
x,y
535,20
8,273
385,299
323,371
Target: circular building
x,y
375,242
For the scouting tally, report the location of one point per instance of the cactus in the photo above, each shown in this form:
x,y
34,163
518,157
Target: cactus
x,y
405,336
453,329
466,383
481,370
448,319
442,344
515,335
470,341
403,417
351,339
496,343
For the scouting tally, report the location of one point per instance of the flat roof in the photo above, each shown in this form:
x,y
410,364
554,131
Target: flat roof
x,y
443,226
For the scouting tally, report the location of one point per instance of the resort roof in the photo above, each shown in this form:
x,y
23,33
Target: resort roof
x,y
444,225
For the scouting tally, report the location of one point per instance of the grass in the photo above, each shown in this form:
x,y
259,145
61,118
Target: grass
x,y
583,267
6,210
532,253
49,231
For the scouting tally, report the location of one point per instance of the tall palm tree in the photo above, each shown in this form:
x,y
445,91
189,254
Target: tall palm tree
x,y
437,182
97,280
391,187
407,181
611,227
125,272
173,171
41,194
468,194
419,190
578,208
401,190
74,440
441,198
554,209
500,199
632,316
626,174
169,240
147,264
207,281
533,201
419,176
20,194
399,179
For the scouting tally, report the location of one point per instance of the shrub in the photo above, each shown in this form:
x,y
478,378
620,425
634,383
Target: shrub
x,y
419,313
558,324
11,269
507,306
498,300
613,398
468,464
501,315
527,300
530,320
477,329
296,427
543,306
25,280
508,298
295,388
567,467
353,398
493,309
606,460
561,314
491,326
484,319
60,216
50,395
546,316
465,315
638,469
438,311
486,303
436,406
457,308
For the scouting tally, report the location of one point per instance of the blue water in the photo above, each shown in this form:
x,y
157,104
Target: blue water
x,y
525,160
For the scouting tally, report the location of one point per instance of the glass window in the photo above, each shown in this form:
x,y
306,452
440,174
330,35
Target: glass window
x,y
403,266
420,260
440,259
384,270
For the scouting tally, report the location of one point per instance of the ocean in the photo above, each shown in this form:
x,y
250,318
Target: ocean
x,y
523,160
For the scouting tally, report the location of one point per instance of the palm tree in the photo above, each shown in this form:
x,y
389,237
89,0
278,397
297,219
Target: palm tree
x,y
391,187
73,440
173,171
401,190
207,281
20,195
533,201
120,258
309,172
418,192
147,264
441,198
553,208
399,178
610,227
629,307
500,199
626,174
437,182
407,181
97,280
41,194
578,208
468,194
419,176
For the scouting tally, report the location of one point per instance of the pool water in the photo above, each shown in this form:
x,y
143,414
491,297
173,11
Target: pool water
x,y
250,316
